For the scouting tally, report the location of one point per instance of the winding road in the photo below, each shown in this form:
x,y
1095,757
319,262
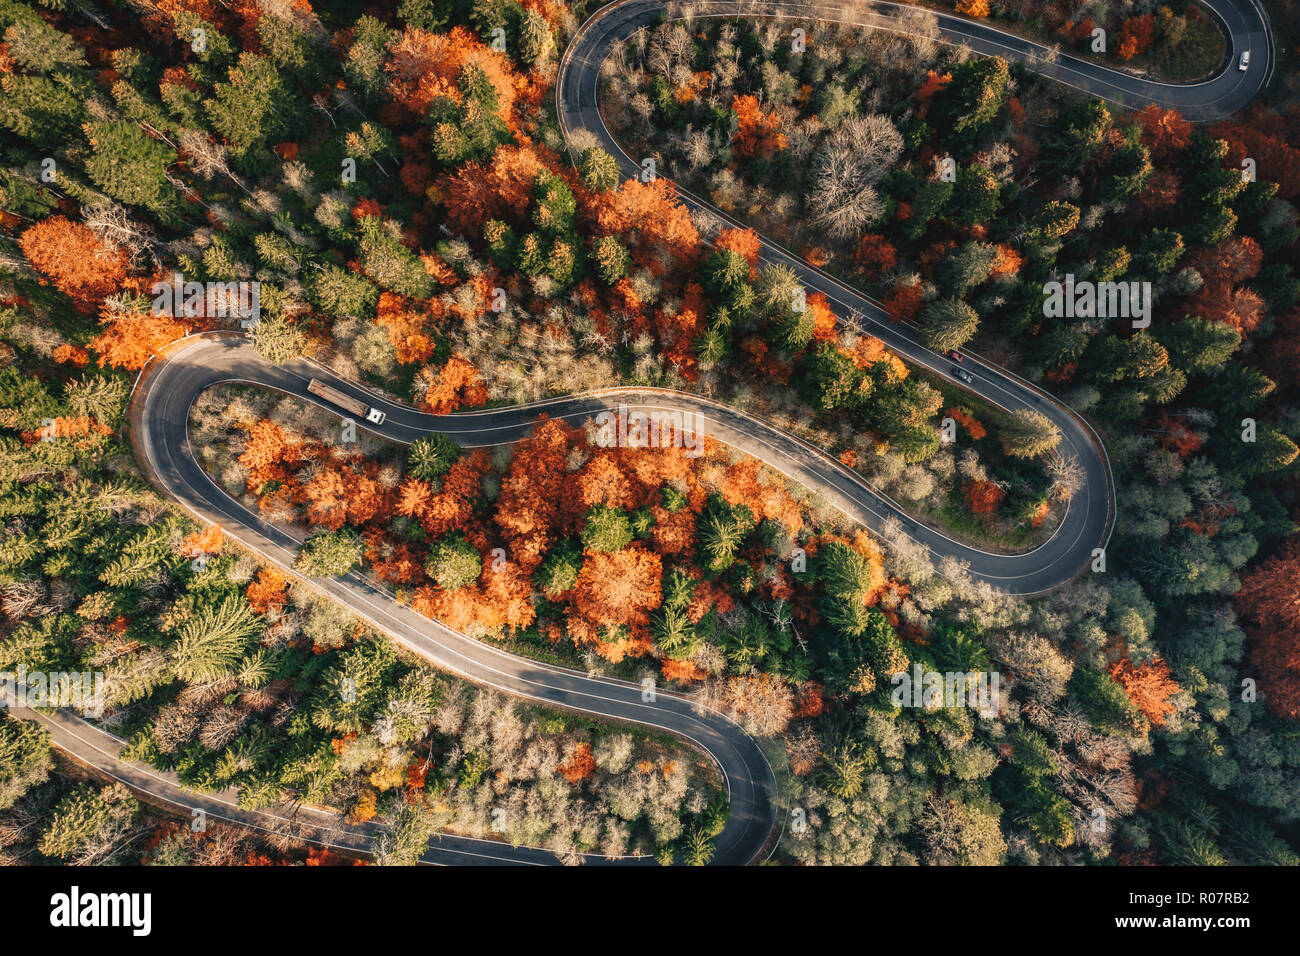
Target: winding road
x,y
161,410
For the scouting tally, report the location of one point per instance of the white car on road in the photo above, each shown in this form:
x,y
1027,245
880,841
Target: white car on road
x,y
1244,63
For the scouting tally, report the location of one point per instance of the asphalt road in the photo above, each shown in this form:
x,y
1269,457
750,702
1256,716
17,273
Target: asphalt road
x,y
1087,522
1244,21
161,413
96,748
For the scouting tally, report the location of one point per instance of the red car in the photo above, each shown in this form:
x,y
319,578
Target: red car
x,y
955,355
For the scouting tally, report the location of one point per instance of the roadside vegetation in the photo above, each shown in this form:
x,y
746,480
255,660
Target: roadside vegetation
x,y
1179,41
54,812
839,153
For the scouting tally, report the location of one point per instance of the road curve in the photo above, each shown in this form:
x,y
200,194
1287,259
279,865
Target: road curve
x,y
97,748
161,414
1087,522
1244,23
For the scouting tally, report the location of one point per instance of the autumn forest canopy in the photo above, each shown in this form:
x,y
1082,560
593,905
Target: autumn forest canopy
x,y
394,184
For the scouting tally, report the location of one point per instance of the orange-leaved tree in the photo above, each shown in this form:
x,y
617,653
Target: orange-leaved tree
x,y
620,587
1135,36
1149,686
1164,131
74,260
266,591
425,66
130,335
757,134
580,764
201,543
1269,600
984,497
743,242
875,254
265,452
529,502
650,218
457,384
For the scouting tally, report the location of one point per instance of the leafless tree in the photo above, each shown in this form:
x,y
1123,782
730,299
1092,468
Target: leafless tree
x,y
22,823
207,157
697,149
1035,661
223,846
24,599
672,46
842,199
763,705
1066,474
111,223
176,725
222,727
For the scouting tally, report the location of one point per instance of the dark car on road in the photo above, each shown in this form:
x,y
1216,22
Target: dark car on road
x,y
964,375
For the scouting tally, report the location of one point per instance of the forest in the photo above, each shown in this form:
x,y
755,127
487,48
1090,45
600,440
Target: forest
x,y
396,184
